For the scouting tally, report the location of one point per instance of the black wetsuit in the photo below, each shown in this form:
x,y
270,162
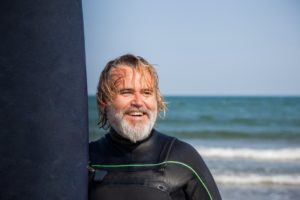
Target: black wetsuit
x,y
159,168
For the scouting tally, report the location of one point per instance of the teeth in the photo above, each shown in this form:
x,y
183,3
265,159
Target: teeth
x,y
136,113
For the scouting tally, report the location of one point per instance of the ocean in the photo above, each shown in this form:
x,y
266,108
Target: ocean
x,y
250,144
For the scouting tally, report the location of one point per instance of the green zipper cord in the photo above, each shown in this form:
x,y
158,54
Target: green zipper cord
x,y
157,164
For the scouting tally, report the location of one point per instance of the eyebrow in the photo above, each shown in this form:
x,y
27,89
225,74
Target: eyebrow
x,y
147,90
125,89
131,89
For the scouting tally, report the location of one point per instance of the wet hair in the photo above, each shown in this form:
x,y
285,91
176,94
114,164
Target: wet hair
x,y
106,89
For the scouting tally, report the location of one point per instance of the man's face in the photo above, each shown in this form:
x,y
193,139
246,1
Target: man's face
x,y
133,111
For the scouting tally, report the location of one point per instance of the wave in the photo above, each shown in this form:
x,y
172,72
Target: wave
x,y
223,134
258,179
282,154
213,120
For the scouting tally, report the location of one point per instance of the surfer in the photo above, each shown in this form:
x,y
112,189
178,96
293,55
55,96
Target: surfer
x,y
133,160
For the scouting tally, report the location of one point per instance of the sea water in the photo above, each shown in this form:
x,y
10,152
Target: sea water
x,y
250,144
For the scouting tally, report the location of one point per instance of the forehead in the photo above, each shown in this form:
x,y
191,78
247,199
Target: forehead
x,y
125,76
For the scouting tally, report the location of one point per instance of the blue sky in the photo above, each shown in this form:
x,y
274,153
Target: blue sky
x,y
200,47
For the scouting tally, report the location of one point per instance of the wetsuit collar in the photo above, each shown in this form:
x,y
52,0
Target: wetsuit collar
x,y
124,141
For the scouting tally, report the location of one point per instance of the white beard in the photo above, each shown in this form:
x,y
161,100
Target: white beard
x,y
134,133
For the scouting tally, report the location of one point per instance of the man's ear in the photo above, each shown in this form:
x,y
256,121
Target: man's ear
x,y
102,107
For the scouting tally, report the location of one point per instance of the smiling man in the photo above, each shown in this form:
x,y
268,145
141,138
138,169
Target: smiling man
x,y
134,108
134,161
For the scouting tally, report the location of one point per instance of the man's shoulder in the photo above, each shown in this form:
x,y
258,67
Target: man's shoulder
x,y
183,152
179,148
162,136
97,148
97,143
184,148
178,143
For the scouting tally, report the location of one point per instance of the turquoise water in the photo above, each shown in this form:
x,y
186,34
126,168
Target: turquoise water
x,y
251,144
225,117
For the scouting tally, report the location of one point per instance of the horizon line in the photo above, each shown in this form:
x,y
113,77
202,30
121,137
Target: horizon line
x,y
225,95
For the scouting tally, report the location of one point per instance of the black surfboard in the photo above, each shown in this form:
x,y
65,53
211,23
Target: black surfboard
x,y
43,118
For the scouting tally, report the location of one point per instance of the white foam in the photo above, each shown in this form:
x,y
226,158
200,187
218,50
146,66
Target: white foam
x,y
258,179
247,153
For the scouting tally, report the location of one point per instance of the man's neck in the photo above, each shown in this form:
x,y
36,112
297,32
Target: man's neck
x,y
120,139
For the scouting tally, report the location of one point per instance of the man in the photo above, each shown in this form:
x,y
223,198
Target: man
x,y
134,161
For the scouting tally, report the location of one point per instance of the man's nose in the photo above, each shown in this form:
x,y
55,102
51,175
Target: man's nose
x,y
137,101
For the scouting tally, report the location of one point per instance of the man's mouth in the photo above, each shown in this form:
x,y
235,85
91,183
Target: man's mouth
x,y
137,114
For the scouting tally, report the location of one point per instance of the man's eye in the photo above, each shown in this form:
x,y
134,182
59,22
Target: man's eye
x,y
125,92
148,92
